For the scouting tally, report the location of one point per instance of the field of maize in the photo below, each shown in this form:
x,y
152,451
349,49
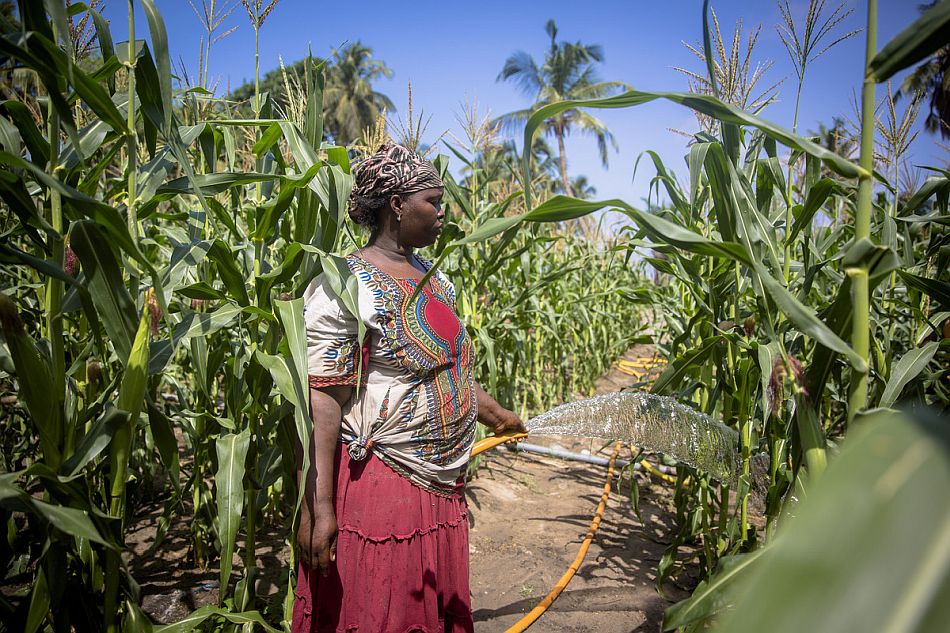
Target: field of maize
x,y
155,242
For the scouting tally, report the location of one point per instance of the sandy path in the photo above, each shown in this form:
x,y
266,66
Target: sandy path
x,y
529,515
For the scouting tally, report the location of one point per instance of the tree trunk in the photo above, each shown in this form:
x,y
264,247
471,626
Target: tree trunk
x,y
562,159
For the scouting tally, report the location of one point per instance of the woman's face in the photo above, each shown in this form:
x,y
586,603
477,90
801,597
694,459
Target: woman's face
x,y
421,217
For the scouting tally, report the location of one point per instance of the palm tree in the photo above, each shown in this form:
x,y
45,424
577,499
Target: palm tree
x,y
350,103
932,79
567,72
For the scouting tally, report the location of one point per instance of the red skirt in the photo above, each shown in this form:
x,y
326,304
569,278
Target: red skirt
x,y
401,559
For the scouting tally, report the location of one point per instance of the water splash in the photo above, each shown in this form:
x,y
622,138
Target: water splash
x,y
655,423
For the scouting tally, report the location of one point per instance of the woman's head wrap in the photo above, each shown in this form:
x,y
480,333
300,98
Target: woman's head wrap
x,y
393,169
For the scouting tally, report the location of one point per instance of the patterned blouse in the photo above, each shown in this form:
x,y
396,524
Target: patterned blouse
x,y
414,402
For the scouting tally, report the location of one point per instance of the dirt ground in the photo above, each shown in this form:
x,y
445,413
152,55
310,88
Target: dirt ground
x,y
528,516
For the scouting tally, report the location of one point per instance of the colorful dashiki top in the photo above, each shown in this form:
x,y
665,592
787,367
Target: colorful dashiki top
x,y
415,404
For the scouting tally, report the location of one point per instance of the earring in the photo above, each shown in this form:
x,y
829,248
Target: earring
x,y
398,218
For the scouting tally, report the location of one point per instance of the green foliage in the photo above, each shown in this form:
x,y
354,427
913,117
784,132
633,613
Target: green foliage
x,y
351,104
880,566
156,255
152,275
756,269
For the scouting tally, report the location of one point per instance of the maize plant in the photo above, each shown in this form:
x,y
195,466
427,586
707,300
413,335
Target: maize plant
x,y
152,319
155,249
795,301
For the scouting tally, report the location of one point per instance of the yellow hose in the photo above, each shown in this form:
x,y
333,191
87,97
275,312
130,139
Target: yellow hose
x,y
653,470
549,599
627,367
636,373
642,362
494,440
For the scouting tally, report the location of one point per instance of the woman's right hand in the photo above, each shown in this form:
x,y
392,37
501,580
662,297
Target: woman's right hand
x,y
316,537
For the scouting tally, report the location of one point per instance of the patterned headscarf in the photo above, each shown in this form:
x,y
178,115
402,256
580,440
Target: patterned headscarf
x,y
393,169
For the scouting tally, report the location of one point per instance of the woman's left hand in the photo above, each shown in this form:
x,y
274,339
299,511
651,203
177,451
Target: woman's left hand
x,y
508,422
496,417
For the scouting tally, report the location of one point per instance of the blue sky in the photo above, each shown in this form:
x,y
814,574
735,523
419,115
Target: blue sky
x,y
452,52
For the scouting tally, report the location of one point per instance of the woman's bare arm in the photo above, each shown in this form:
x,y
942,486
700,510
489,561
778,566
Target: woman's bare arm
x,y
316,535
495,416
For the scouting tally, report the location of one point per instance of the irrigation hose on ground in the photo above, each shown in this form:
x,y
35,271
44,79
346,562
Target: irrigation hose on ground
x,y
495,440
549,599
532,616
639,367
644,362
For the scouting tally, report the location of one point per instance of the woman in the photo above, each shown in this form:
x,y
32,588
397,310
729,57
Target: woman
x,y
383,533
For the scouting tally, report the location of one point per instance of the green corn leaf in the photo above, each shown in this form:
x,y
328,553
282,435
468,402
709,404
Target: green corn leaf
x,y
343,284
95,441
879,260
165,441
267,140
25,49
231,275
88,89
561,208
315,83
696,160
805,318
35,381
166,123
229,481
72,521
210,184
678,369
104,37
191,621
295,331
14,193
12,255
36,143
291,377
135,619
104,215
91,139
664,231
701,103
812,437
669,183
106,285
936,289
766,355
39,602
929,33
156,27
304,154
711,596
906,369
737,201
816,197
10,138
931,186
821,555
184,258
203,324
292,387
339,156
131,396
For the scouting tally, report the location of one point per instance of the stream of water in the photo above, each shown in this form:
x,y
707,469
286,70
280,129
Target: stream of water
x,y
655,423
